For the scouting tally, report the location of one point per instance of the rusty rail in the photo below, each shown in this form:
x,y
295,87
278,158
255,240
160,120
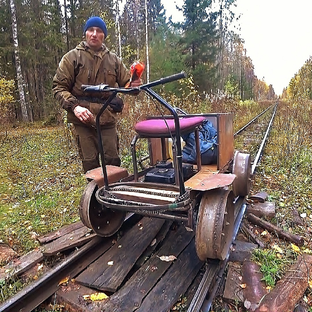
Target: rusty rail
x,y
213,275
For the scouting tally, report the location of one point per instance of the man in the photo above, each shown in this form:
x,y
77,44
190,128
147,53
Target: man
x,y
92,63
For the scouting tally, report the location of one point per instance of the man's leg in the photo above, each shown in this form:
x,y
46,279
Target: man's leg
x,y
110,146
87,146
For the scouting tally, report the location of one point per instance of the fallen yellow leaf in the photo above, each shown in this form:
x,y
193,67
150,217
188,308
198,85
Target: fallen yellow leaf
x,y
295,248
96,297
64,281
189,229
264,233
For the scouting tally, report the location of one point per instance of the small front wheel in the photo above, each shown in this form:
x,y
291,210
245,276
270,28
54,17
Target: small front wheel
x,y
103,221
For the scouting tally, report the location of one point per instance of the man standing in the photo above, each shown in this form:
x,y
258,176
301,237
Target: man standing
x,y
91,63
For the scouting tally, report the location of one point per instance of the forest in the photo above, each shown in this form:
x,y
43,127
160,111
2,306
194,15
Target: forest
x,y
36,34
41,176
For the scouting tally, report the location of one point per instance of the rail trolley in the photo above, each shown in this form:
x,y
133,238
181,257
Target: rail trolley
x,y
200,196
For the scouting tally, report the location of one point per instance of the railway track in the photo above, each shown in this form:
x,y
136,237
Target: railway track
x,y
127,268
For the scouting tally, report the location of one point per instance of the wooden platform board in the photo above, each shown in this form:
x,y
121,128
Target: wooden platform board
x,y
134,273
209,178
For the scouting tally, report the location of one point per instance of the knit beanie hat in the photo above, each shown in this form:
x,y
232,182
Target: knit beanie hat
x,y
95,21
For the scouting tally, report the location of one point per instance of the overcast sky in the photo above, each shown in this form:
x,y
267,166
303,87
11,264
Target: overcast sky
x,y
277,34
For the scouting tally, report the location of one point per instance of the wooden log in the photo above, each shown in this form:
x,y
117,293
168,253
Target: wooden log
x,y
259,197
298,240
301,308
289,290
241,251
254,289
266,209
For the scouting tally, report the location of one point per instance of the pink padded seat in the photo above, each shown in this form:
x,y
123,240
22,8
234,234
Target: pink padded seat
x,y
152,128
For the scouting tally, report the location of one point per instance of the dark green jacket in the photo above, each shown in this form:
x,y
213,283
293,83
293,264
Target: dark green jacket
x,y
84,66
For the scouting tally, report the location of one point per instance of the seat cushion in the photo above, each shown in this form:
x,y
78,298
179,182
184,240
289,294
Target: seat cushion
x,y
152,128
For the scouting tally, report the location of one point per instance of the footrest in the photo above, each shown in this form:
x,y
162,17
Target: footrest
x,y
114,174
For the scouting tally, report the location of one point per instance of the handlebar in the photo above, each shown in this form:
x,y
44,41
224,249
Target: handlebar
x,y
107,88
165,80
147,88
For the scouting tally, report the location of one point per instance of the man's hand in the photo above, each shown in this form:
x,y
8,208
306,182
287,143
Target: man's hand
x,y
135,83
136,71
83,114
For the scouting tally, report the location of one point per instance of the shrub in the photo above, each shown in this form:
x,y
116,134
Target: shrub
x,y
6,99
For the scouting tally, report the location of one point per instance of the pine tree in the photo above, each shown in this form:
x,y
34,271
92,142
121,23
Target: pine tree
x,y
199,42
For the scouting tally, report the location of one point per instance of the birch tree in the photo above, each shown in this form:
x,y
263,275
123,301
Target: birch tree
x,y
146,43
118,29
18,67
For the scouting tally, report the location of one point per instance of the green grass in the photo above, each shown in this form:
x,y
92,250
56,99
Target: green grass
x,y
271,265
41,184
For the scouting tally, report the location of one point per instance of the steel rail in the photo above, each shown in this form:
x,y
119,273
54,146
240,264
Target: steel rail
x,y
259,153
252,121
213,275
37,292
33,295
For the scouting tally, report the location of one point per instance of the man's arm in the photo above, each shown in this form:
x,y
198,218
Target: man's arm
x,y
62,84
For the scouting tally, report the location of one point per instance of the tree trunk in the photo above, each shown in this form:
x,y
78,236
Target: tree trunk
x,y
298,240
18,67
118,29
146,43
255,287
289,290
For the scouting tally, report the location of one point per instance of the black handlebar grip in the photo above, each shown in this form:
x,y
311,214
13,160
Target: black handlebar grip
x,y
165,80
173,77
